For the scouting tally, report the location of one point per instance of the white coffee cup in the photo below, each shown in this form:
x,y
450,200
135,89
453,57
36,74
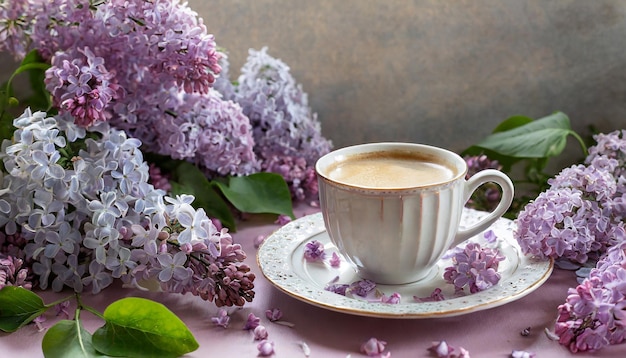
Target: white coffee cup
x,y
394,209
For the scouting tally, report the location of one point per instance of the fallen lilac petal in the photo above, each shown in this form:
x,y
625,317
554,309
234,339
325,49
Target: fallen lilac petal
x,y
373,347
38,321
252,322
305,349
259,240
362,287
522,354
490,236
394,299
282,219
222,319
335,260
61,309
441,349
260,333
274,314
266,348
314,251
435,296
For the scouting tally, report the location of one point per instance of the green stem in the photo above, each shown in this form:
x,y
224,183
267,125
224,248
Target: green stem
x,y
581,142
52,304
80,305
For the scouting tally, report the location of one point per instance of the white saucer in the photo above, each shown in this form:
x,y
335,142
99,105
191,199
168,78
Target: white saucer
x,y
282,262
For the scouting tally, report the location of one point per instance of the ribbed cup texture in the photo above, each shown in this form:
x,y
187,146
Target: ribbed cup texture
x,y
392,237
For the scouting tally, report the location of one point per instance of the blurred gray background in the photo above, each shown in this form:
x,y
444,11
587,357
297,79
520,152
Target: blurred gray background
x,y
437,72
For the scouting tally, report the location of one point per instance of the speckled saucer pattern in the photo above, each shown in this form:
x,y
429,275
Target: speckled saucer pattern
x,y
281,260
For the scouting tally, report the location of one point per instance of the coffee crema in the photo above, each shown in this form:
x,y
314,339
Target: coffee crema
x,y
390,170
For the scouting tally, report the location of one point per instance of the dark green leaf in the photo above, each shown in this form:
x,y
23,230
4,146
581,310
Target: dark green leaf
x,y
259,193
68,339
137,327
190,180
545,137
18,307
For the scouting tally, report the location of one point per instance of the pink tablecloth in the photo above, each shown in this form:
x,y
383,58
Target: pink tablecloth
x,y
490,333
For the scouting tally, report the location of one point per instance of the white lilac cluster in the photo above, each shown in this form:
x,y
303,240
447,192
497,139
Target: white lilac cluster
x,y
286,132
88,215
581,214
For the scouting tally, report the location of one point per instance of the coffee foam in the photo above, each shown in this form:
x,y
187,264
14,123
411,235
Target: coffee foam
x,y
390,170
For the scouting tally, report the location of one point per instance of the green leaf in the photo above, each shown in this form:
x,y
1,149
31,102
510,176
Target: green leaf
x,y
542,138
259,193
137,327
68,339
512,122
190,180
18,307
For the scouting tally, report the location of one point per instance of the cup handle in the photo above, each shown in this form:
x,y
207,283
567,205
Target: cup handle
x,y
478,179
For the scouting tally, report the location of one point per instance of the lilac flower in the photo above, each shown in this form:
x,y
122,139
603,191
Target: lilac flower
x,y
287,134
441,349
222,319
335,260
274,314
574,218
373,347
474,267
12,273
361,287
38,321
130,232
334,287
314,251
61,309
266,348
487,196
260,333
282,219
252,322
435,296
593,314
392,299
610,146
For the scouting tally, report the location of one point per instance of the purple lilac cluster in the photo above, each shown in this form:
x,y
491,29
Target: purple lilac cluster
x,y
474,267
581,214
88,216
146,67
594,314
487,196
286,132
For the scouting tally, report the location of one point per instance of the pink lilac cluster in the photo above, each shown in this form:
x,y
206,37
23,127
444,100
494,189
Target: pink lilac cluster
x,y
594,314
487,196
88,216
474,267
146,67
581,214
286,132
